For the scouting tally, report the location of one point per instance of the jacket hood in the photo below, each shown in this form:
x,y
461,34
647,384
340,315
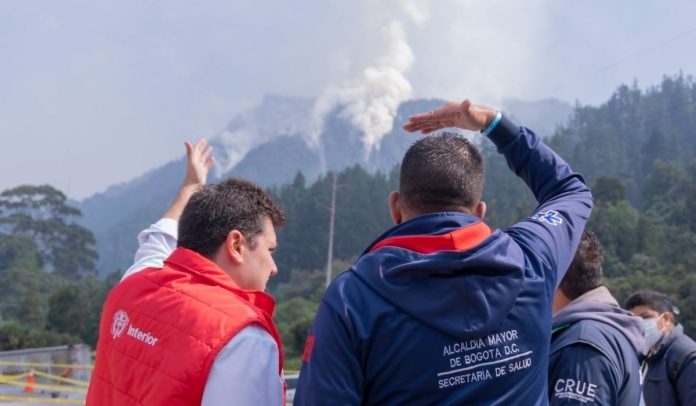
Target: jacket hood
x,y
599,305
447,270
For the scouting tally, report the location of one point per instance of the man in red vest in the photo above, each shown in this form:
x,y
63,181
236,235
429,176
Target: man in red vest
x,y
198,328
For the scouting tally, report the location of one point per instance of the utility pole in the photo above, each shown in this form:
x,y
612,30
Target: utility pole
x,y
332,218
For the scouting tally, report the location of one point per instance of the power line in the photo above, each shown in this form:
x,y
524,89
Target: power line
x,y
624,59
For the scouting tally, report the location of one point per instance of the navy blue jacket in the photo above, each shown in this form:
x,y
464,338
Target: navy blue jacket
x,y
658,388
595,351
442,310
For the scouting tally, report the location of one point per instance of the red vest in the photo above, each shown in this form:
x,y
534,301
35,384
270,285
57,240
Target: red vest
x,y
161,330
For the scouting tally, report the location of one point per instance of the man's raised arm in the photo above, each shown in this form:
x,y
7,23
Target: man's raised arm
x,y
159,240
198,163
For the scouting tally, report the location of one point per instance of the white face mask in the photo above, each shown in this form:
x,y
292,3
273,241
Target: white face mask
x,y
650,332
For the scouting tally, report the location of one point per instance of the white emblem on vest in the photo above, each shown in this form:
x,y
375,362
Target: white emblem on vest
x,y
119,324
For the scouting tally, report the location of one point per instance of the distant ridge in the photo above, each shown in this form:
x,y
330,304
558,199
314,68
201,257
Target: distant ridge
x,y
269,144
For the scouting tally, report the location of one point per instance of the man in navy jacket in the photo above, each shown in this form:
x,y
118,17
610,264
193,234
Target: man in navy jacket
x,y
669,370
596,344
441,309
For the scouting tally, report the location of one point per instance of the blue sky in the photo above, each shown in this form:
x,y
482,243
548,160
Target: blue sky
x,y
96,93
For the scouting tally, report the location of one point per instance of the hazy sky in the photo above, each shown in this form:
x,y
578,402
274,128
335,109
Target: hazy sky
x,y
94,93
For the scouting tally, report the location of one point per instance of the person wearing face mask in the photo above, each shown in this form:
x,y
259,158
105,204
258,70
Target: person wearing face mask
x,y
669,370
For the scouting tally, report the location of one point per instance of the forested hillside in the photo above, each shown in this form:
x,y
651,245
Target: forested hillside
x,y
637,151
49,293
269,144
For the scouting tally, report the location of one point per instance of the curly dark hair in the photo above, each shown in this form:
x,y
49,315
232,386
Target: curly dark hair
x,y
217,209
585,272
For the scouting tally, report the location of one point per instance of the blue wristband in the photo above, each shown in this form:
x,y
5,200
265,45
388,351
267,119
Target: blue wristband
x,y
493,124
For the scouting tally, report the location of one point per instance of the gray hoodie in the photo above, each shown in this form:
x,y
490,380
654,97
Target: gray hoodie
x,y
595,349
599,304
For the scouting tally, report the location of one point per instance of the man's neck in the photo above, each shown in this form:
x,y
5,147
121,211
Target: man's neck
x,y
560,300
409,215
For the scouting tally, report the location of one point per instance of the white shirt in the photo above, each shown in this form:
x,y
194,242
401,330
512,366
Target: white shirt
x,y
245,371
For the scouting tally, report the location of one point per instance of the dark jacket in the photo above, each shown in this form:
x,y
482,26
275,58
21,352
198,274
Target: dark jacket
x,y
442,310
595,351
671,372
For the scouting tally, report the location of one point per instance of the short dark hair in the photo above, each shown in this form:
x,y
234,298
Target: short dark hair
x,y
654,300
217,209
441,172
585,271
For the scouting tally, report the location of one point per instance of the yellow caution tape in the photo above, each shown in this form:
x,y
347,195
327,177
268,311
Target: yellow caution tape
x,y
14,377
60,378
42,400
57,388
48,365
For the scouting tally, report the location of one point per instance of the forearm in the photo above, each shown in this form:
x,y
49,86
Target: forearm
x,y
159,240
182,197
155,244
551,235
547,175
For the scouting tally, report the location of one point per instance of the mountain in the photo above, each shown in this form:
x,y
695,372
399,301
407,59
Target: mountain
x,y
276,116
270,144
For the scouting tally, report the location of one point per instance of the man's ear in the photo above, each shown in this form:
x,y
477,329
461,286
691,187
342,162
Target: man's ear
x,y
395,207
234,246
668,317
480,210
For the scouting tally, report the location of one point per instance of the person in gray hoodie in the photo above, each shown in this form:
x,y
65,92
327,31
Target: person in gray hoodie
x,y
595,345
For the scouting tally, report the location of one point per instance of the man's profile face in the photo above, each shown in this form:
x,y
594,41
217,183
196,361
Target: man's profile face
x,y
258,261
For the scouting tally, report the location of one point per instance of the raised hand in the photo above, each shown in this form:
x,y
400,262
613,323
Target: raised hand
x,y
199,162
464,115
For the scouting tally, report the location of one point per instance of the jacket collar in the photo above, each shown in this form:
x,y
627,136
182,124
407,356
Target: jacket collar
x,y
185,260
435,232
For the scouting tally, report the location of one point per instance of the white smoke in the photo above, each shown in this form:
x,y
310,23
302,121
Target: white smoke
x,y
370,102
276,116
369,99
234,146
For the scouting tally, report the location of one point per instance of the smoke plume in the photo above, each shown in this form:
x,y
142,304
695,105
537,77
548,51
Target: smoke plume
x,y
371,96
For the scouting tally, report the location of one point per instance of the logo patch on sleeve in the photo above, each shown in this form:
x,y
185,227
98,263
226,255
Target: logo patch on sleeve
x,y
309,346
551,217
575,389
